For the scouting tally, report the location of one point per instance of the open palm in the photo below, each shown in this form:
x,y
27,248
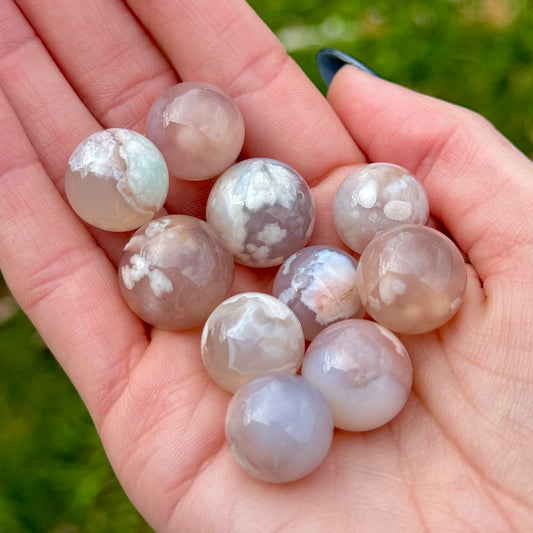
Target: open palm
x,y
458,457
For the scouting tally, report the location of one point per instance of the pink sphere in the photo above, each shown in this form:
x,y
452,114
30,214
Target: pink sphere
x,y
174,271
411,278
318,284
198,128
374,198
363,371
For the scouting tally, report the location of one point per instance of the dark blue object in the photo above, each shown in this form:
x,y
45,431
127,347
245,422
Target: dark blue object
x,y
330,61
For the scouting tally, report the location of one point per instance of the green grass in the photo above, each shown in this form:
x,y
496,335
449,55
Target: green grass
x,y
53,471
55,476
477,53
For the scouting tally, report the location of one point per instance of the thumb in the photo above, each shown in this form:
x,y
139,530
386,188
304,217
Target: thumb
x,y
479,185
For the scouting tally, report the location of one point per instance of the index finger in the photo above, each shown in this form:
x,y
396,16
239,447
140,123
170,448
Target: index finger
x,y
225,43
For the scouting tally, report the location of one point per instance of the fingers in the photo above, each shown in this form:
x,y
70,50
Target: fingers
x,y
118,72
48,109
478,184
102,56
53,117
109,60
60,276
225,43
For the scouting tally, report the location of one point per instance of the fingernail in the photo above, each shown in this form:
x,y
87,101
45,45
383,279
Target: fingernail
x,y
331,60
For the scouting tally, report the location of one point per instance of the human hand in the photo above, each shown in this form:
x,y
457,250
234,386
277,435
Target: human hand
x,y
459,453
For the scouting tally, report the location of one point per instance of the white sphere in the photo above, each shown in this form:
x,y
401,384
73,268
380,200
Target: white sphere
x,y
116,180
248,335
279,427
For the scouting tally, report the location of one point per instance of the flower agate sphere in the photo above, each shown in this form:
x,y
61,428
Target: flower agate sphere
x,y
264,210
377,197
411,278
279,427
363,371
116,180
318,284
248,335
174,271
198,128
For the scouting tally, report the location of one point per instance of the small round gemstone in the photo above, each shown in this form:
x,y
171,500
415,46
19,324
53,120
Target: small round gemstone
x,y
363,371
116,180
374,198
279,427
318,284
174,271
248,335
198,128
264,210
411,278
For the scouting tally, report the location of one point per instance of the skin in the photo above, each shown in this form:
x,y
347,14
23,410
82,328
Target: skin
x,y
457,458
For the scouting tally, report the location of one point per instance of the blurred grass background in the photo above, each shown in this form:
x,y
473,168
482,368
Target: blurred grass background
x,y
54,476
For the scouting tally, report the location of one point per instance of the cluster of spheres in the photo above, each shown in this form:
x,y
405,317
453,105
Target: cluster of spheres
x,y
303,360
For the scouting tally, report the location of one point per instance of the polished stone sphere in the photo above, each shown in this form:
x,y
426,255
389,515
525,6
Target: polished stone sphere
x,y
318,284
363,371
374,198
248,335
279,427
198,128
174,271
264,210
411,278
116,180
